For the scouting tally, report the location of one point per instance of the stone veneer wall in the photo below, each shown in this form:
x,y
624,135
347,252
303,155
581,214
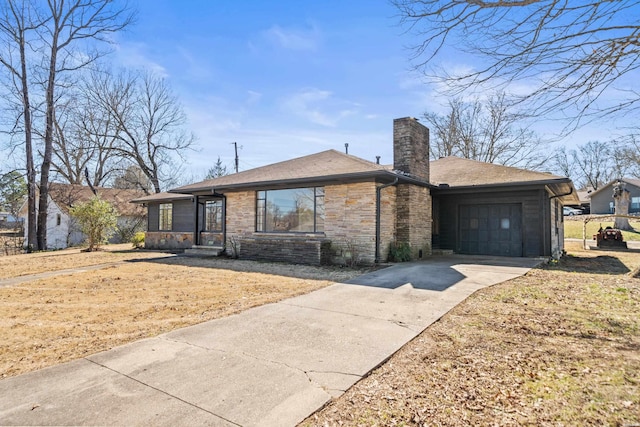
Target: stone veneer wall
x,y
414,218
411,148
350,221
297,250
167,240
350,227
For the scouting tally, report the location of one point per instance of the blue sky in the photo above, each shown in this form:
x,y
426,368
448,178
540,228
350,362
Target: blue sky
x,y
283,79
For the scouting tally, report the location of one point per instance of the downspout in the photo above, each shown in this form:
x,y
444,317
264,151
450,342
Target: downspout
x,y
549,207
224,223
196,203
378,208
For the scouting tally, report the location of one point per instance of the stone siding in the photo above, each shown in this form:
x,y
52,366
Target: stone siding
x,y
241,213
296,250
414,218
350,221
350,227
167,240
411,148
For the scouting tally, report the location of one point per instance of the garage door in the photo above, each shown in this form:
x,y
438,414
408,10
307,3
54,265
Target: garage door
x,y
494,229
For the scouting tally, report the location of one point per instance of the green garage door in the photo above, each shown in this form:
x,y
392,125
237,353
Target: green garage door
x,y
491,229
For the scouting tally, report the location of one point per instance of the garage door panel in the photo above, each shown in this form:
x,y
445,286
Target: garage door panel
x,y
491,229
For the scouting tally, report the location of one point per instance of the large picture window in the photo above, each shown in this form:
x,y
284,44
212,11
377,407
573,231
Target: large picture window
x,y
213,215
295,210
165,216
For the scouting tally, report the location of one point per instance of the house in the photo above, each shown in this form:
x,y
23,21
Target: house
x,y
602,198
332,206
62,231
585,200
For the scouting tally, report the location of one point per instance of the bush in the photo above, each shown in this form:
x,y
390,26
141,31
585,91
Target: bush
x,y
97,219
138,240
399,252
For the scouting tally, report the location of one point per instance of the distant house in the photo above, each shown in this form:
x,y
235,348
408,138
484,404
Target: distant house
x,y
585,200
331,206
62,231
602,198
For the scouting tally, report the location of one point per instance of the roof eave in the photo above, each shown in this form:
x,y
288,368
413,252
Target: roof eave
x,y
383,175
506,184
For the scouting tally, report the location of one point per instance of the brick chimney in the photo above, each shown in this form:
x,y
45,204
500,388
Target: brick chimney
x,y
411,147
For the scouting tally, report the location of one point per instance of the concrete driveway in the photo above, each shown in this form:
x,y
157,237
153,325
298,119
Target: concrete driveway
x,y
269,366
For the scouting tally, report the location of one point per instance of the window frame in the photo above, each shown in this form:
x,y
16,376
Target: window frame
x,y
262,203
165,216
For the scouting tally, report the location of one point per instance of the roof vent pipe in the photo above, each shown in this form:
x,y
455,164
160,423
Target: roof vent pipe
x,y
377,160
346,148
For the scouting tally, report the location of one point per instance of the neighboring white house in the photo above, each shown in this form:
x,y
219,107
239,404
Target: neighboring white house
x,y
62,231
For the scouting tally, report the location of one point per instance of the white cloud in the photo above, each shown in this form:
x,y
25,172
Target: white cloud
x,y
253,97
319,107
136,55
294,39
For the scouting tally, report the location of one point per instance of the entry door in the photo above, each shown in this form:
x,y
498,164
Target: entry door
x,y
493,229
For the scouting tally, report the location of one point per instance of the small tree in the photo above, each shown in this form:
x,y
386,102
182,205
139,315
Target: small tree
x,y
97,219
219,169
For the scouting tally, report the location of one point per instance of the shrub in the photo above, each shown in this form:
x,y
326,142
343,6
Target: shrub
x,y
399,252
138,240
97,219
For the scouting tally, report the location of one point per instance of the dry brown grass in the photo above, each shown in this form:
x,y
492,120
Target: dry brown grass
x,y
61,318
557,347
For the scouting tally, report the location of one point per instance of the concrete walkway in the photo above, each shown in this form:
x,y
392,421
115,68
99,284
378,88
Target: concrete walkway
x,y
269,366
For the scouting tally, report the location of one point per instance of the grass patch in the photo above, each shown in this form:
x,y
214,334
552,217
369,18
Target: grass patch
x,y
559,346
573,228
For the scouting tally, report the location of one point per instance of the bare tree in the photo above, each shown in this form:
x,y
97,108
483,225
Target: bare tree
x,y
598,164
562,163
489,132
570,53
149,123
629,151
133,178
83,140
69,26
17,21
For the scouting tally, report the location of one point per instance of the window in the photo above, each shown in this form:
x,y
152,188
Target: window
x,y
213,215
635,203
296,210
165,216
58,219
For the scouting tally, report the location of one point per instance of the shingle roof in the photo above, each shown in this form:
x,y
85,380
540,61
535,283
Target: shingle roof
x,y
632,181
458,172
330,163
67,195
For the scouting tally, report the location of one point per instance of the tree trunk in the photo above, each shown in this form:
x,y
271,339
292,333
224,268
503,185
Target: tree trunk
x,y
622,208
48,145
32,241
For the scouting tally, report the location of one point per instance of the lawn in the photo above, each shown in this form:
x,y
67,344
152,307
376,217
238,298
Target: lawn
x,y
141,294
559,346
573,227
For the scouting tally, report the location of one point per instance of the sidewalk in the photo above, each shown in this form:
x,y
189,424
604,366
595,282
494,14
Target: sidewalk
x,y
273,365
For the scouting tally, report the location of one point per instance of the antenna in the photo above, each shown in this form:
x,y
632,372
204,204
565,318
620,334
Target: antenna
x,y
235,144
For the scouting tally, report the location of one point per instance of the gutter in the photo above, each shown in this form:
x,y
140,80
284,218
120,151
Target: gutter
x,y
298,182
562,195
378,196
